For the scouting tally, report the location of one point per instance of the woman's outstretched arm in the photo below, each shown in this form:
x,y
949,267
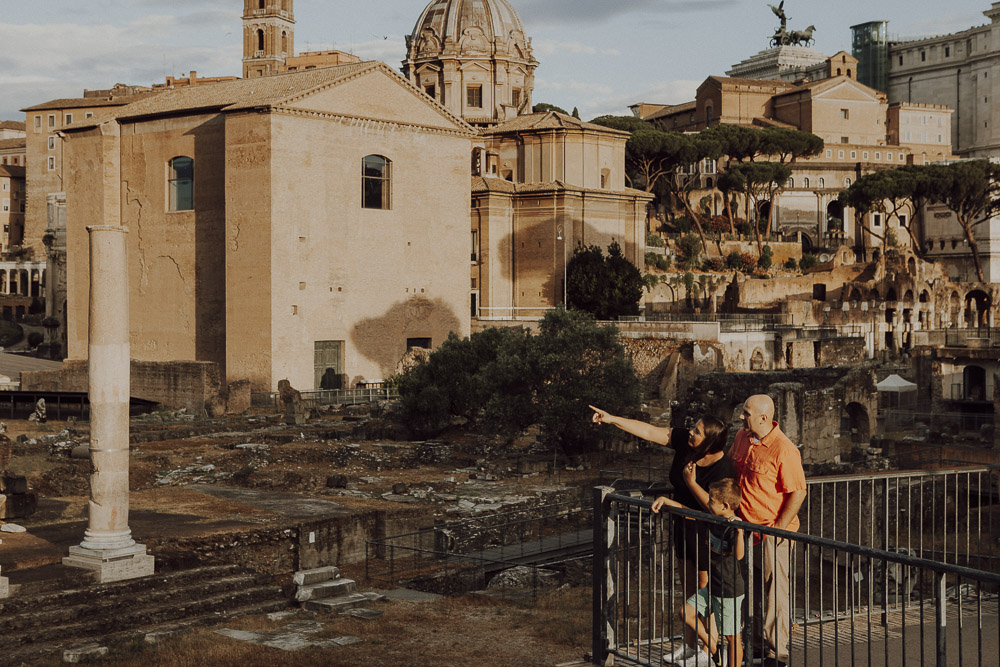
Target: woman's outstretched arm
x,y
657,434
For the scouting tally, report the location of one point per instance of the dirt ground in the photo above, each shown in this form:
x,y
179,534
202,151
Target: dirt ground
x,y
462,630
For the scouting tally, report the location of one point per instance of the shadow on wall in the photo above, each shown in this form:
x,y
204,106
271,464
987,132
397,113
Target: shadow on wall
x,y
536,246
383,339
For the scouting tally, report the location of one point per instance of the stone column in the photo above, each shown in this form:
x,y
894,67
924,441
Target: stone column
x,y
108,547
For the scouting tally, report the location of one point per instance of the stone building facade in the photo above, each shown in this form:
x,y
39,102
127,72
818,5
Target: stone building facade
x,y
307,226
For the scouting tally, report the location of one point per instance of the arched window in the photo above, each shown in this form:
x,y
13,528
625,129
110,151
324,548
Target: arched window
x,y
376,182
791,182
847,182
708,116
284,42
822,182
805,182
180,184
260,40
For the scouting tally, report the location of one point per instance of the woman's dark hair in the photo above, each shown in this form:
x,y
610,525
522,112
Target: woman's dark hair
x,y
716,434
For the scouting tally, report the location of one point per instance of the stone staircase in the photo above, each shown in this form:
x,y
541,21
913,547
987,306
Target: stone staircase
x,y
38,625
324,590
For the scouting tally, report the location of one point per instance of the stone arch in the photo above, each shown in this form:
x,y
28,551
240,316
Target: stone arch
x,y
891,295
874,295
911,266
977,308
855,424
757,360
855,295
36,283
908,296
924,296
835,215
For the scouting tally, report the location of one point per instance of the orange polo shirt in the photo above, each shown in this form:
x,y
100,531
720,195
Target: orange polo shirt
x,y
766,470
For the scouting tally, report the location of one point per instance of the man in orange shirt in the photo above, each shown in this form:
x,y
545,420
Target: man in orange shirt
x,y
769,471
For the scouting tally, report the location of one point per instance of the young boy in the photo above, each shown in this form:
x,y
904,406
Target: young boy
x,y
723,587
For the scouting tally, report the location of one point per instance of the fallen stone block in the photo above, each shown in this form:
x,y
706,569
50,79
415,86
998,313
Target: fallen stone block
x,y
12,528
326,589
282,615
84,653
158,636
337,604
315,575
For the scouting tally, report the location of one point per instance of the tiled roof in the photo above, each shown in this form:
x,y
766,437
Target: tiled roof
x,y
760,121
766,83
87,102
253,93
671,110
11,125
548,120
12,170
13,144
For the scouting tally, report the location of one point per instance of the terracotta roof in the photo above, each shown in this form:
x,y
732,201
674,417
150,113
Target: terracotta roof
x,y
13,144
771,122
671,110
766,83
265,91
12,170
548,120
87,102
11,125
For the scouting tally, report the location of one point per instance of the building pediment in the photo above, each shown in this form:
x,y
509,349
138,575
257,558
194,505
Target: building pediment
x,y
475,64
845,89
378,94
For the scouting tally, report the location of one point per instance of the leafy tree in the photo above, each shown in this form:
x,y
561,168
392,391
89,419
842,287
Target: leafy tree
x,y
759,182
542,107
791,264
766,258
512,379
971,190
576,113
606,287
689,247
808,261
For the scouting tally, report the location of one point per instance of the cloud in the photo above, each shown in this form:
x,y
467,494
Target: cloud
x,y
599,100
563,12
391,50
547,47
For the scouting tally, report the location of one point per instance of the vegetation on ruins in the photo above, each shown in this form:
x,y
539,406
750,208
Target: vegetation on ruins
x,y
503,380
969,189
756,164
605,286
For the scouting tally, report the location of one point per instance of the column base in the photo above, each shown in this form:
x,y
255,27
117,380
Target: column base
x,y
112,564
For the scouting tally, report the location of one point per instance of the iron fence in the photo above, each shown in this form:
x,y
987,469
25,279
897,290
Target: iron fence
x,y
984,337
847,603
329,397
457,556
893,420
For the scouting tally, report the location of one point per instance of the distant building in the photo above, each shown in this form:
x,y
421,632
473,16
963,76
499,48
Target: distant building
x,y
12,206
870,46
958,70
269,42
12,143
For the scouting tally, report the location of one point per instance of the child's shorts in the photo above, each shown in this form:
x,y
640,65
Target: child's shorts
x,y
727,610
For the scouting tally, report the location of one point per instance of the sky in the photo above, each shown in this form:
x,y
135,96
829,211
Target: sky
x,y
597,55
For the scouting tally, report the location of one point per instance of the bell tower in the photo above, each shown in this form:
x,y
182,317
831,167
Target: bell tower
x,y
268,36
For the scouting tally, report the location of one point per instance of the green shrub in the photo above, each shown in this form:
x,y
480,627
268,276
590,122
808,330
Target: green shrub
x,y
683,224
808,261
503,380
35,338
654,241
766,258
733,260
791,264
714,264
689,249
663,262
651,258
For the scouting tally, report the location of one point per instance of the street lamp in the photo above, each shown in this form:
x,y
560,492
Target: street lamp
x,y
559,237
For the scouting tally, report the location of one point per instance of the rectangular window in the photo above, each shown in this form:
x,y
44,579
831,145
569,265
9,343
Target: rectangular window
x,y
431,91
474,97
38,121
947,52
180,182
829,153
52,163
845,140
69,118
418,342
376,183
89,114
515,97
864,156
845,114
475,245
901,61
878,156
876,220
6,205
840,155
52,143
52,120
923,56
854,155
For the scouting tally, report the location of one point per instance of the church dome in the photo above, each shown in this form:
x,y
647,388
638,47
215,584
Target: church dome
x,y
475,26
472,56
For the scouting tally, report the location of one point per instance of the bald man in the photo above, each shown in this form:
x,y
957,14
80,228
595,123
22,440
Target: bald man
x,y
769,471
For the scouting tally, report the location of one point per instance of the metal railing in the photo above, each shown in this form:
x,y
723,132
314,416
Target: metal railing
x,y
329,397
847,603
984,337
946,514
891,419
458,556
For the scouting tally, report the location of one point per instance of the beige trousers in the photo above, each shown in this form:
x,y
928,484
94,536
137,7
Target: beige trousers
x,y
774,558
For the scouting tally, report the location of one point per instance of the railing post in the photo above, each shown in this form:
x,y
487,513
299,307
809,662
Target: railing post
x,y
603,634
941,620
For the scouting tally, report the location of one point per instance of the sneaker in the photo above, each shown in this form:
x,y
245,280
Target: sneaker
x,y
680,653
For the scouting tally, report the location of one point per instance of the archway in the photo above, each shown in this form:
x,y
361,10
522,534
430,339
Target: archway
x,y
974,383
977,309
874,295
924,296
911,266
757,360
807,244
855,295
891,295
855,424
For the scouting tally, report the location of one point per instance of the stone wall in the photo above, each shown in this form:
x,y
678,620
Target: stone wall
x,y
172,384
810,404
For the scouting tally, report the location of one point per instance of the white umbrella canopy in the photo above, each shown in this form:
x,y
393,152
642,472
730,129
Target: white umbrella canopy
x,y
896,384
